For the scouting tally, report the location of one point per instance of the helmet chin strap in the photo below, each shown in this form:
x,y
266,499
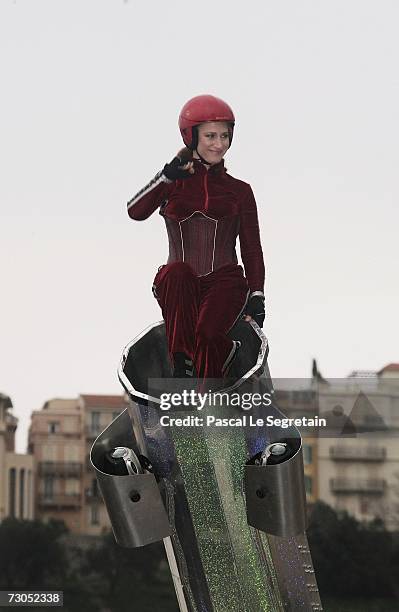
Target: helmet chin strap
x,y
202,159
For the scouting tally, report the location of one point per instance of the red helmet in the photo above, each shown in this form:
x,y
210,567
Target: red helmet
x,y
199,110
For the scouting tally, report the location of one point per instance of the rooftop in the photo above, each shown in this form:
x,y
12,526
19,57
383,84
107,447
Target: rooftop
x,y
92,401
391,367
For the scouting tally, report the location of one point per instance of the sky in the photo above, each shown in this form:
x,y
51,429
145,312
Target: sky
x,y
90,96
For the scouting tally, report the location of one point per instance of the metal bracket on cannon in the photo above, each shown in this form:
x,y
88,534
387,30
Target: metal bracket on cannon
x,y
133,500
275,490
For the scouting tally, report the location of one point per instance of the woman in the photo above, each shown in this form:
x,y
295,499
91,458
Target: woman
x,y
202,290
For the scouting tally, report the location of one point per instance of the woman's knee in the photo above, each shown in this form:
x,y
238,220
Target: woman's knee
x,y
178,270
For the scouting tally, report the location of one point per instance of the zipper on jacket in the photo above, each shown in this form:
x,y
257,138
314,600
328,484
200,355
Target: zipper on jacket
x,y
206,190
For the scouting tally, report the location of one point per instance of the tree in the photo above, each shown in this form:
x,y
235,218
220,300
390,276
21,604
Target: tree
x,y
32,554
351,558
34,557
122,577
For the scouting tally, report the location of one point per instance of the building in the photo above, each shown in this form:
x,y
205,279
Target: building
x,y
351,464
16,470
55,440
60,438
358,454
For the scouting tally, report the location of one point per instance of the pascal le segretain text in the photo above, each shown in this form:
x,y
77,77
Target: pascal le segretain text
x,y
245,420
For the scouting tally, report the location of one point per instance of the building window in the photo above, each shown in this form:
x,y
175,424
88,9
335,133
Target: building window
x,y
307,454
21,492
53,427
95,422
72,486
29,497
308,484
11,492
94,515
48,487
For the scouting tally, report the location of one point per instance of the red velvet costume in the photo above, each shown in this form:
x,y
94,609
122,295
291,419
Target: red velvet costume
x,y
202,290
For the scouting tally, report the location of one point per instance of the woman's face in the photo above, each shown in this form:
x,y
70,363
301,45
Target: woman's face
x,y
213,141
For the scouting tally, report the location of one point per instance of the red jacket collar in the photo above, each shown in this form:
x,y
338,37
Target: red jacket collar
x,y
215,169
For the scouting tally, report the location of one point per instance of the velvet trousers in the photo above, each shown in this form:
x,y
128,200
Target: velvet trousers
x,y
199,311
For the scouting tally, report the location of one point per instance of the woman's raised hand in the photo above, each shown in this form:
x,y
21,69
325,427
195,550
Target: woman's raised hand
x,y
181,166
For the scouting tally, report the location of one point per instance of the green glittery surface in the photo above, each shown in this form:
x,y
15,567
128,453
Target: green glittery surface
x,y
236,559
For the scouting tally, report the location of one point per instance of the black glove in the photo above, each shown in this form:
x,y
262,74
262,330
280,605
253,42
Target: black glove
x,y
175,171
256,309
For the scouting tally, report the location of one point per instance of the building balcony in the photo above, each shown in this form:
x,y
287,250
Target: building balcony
x,y
76,433
357,485
60,469
59,501
353,453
